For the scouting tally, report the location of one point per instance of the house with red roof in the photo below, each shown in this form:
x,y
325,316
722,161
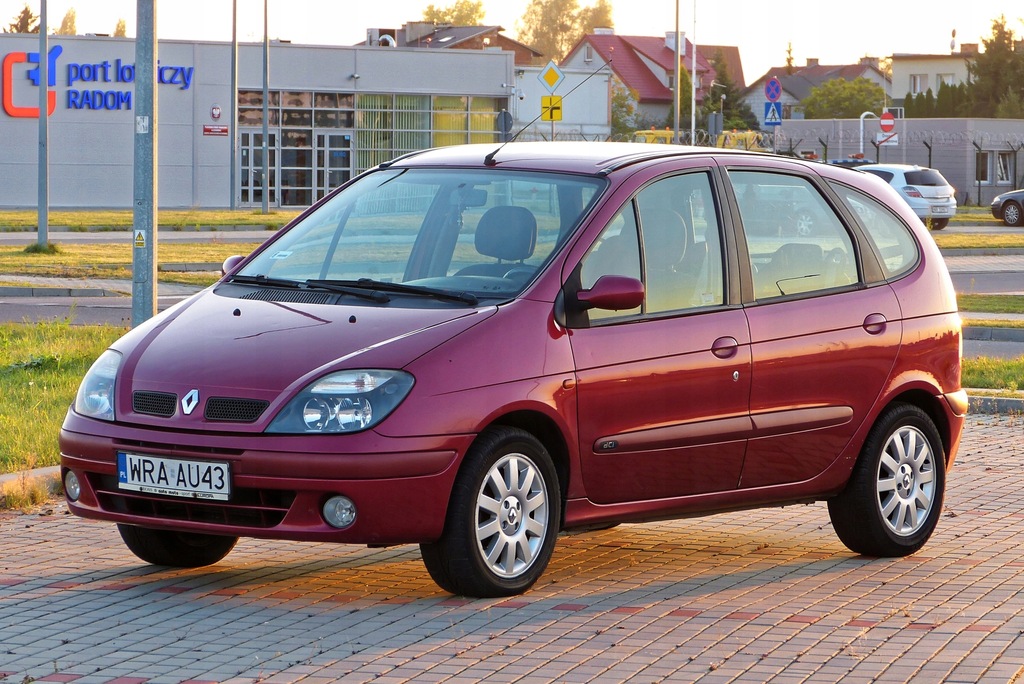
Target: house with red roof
x,y
645,65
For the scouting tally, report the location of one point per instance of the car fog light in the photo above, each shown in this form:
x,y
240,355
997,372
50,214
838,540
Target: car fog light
x,y
72,487
339,511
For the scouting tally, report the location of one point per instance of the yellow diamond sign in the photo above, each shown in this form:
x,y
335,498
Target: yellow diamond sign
x,y
551,76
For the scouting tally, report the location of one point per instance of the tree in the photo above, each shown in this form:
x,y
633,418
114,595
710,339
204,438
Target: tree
x,y
842,99
995,72
121,30
67,25
25,22
736,113
460,13
553,27
623,109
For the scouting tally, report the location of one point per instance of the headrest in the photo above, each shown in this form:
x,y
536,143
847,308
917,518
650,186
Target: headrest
x,y
507,233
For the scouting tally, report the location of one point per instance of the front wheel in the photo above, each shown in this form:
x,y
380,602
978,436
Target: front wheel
x,y
1012,214
892,503
175,549
502,521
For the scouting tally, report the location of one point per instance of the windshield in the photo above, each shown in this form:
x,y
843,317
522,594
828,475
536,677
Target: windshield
x,y
481,231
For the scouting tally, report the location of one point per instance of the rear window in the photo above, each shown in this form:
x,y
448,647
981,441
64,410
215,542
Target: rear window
x,y
892,239
884,175
929,177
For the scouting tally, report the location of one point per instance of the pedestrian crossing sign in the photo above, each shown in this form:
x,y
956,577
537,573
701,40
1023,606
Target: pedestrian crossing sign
x,y
772,113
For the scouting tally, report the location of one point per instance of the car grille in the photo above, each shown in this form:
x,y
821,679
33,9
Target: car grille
x,y
253,508
162,404
230,410
218,409
292,296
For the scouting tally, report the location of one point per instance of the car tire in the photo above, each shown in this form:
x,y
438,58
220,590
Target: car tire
x,y
175,549
1012,214
503,518
939,224
893,500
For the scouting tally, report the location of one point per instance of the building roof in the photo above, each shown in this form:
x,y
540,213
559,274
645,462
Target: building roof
x,y
420,34
798,81
733,63
629,57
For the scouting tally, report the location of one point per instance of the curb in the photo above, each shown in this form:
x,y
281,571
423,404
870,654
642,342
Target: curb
x,y
995,405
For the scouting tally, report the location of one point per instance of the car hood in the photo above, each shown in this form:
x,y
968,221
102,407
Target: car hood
x,y
265,351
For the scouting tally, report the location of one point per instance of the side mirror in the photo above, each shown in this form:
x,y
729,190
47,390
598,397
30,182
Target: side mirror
x,y
612,292
230,264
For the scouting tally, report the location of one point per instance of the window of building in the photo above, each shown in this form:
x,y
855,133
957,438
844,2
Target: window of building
x,y
1005,170
982,167
918,83
321,132
946,79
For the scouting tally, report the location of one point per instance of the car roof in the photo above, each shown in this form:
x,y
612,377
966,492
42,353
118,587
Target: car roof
x,y
569,156
893,167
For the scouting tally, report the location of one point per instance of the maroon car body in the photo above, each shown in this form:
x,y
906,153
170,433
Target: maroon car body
x,y
443,352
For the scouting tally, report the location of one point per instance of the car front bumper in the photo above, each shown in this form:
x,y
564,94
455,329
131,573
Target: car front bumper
x,y
279,485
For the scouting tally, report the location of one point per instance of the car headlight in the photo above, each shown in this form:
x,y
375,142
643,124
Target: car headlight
x,y
346,401
95,397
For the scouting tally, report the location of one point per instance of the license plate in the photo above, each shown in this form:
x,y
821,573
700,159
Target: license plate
x,y
940,210
173,476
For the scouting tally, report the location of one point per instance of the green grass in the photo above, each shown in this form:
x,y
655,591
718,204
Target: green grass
x,y
40,368
978,240
990,303
991,373
123,219
114,261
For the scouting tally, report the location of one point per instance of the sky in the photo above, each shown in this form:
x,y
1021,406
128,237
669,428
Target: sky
x,y
832,32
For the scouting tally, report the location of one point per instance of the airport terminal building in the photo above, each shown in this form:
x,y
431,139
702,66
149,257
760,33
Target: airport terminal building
x,y
333,112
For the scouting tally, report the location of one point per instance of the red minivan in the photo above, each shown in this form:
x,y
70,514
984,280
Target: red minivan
x,y
474,348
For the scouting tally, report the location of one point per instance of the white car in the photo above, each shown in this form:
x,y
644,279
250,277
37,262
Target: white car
x,y
927,192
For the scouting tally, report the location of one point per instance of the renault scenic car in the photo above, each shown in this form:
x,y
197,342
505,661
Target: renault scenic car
x,y
475,348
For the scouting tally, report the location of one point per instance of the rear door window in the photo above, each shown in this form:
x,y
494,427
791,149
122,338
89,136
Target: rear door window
x,y
796,243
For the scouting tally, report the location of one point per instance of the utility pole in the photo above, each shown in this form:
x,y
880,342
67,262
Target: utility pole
x,y
144,252
44,134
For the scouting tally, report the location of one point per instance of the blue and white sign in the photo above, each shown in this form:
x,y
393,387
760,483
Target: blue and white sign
x,y
772,113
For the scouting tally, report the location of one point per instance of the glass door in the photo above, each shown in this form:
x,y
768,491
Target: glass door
x,y
333,161
251,159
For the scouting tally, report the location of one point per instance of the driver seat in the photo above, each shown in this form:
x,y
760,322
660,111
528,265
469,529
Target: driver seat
x,y
505,233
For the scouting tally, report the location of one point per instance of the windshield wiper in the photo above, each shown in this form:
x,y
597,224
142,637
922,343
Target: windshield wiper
x,y
340,288
402,288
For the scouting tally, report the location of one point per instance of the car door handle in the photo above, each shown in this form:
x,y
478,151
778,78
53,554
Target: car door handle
x,y
725,347
874,324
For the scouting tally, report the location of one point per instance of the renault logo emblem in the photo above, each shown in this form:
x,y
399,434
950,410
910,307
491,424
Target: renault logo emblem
x,y
190,401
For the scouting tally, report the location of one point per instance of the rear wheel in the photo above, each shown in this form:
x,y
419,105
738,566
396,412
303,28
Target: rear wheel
x,y
502,521
939,224
893,500
1012,214
175,549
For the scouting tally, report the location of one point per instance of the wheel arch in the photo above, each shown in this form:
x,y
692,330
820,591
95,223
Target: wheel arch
x,y
932,406
548,433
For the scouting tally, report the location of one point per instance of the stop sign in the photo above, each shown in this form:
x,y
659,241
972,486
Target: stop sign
x,y
887,121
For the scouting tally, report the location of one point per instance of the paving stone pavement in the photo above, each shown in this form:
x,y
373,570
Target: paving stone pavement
x,y
757,596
